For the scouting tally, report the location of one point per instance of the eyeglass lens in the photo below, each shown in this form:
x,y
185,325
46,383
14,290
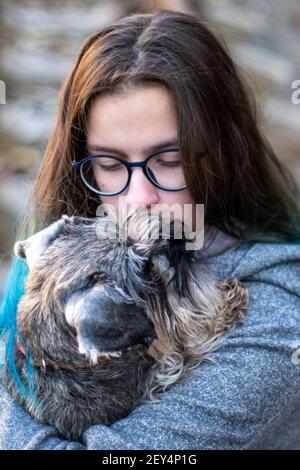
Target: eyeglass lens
x,y
107,175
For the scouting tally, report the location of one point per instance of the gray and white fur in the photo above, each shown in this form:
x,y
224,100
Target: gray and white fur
x,y
95,290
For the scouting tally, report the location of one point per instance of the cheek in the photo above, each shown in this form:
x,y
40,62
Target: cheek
x,y
182,206
165,197
176,197
110,201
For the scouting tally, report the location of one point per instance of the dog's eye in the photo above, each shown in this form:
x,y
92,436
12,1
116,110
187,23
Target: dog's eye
x,y
98,277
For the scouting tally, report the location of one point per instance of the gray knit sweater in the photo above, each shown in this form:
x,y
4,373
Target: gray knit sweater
x,y
248,399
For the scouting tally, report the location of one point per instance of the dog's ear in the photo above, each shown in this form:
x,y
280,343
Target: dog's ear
x,y
34,246
158,246
174,260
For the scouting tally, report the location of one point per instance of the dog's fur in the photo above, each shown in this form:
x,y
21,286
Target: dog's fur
x,y
146,304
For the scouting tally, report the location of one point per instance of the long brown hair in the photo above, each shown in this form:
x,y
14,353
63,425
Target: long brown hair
x,y
246,190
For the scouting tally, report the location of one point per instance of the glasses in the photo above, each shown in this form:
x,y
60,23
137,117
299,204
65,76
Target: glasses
x,y
108,175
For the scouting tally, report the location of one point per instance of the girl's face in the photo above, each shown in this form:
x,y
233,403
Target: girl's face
x,y
130,123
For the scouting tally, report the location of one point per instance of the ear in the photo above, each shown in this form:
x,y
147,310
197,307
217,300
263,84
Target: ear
x,y
174,261
37,244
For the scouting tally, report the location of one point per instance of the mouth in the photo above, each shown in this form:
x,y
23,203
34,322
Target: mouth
x,y
102,357
96,355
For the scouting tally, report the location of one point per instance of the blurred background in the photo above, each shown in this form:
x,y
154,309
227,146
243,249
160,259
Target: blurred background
x,y
39,41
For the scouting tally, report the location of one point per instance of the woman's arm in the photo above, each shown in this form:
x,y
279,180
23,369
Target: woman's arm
x,y
249,399
18,430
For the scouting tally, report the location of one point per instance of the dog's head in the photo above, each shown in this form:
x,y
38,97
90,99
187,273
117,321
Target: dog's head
x,y
103,280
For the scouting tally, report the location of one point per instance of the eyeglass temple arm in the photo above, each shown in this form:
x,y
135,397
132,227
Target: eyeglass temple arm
x,y
75,164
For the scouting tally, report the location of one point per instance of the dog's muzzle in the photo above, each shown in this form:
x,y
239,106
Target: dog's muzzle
x,y
105,327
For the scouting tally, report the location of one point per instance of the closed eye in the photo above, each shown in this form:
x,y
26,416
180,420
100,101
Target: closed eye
x,y
98,277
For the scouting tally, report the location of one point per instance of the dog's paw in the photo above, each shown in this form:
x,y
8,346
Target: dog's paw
x,y
236,299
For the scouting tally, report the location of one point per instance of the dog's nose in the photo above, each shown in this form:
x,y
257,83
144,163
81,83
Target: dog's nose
x,y
112,326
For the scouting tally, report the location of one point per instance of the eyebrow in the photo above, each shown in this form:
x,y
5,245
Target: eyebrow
x,y
148,150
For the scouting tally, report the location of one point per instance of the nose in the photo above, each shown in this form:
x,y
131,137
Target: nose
x,y
141,190
111,326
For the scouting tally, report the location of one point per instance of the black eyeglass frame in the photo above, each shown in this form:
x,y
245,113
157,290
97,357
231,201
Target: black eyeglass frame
x,y
129,166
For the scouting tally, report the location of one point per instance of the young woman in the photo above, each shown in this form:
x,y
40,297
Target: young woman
x,y
140,87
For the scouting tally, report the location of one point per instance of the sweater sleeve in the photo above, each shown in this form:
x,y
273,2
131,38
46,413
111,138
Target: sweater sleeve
x,y
19,431
241,401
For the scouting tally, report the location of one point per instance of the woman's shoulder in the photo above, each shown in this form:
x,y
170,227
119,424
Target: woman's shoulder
x,y
258,363
278,263
271,273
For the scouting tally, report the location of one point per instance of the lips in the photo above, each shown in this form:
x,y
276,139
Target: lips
x,y
102,357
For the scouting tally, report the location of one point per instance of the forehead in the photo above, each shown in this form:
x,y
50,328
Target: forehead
x,y
82,252
132,120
